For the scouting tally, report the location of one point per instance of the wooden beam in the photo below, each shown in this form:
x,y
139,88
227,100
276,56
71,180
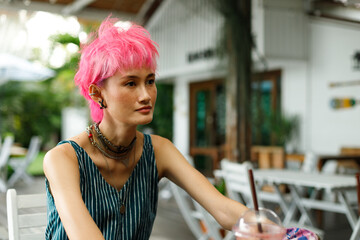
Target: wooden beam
x,y
148,10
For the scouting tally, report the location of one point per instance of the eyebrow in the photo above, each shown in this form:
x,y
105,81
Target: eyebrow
x,y
136,77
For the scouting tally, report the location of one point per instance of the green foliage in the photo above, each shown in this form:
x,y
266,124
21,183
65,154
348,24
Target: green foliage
x,y
65,39
220,186
283,128
28,109
36,167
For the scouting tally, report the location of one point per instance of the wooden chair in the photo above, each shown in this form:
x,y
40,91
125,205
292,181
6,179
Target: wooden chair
x,y
349,166
350,150
20,165
268,156
26,215
5,152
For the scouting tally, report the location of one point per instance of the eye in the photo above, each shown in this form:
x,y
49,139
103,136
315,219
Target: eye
x,y
130,84
151,81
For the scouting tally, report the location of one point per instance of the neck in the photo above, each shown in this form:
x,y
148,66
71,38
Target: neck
x,y
118,134
107,148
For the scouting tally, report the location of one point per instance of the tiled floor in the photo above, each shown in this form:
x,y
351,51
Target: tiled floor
x,y
169,223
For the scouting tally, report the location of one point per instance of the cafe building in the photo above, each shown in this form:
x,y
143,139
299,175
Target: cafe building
x,y
306,59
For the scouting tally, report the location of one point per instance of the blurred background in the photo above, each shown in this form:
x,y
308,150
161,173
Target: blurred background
x,y
269,73
269,81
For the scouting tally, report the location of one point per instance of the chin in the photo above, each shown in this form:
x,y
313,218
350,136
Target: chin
x,y
145,121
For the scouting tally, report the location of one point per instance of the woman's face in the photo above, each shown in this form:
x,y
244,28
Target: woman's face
x,y
130,96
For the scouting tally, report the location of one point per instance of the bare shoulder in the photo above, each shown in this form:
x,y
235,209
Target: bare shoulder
x,y
159,142
163,148
168,157
63,155
58,159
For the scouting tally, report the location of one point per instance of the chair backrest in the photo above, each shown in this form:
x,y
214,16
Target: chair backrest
x,y
310,162
237,180
5,150
350,151
26,215
330,167
199,221
268,156
194,215
34,148
191,216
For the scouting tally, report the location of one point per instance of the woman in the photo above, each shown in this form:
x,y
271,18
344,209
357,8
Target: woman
x,y
102,183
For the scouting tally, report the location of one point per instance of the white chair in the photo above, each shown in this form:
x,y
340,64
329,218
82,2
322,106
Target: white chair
x,y
356,230
238,185
195,215
310,163
26,215
5,152
21,164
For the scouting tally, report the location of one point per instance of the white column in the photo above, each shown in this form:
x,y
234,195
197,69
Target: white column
x,y
181,115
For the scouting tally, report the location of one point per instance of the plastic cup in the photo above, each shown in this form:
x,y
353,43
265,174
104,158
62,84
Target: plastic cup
x,y
261,225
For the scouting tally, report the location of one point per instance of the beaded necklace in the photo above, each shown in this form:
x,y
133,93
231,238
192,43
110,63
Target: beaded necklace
x,y
107,148
126,151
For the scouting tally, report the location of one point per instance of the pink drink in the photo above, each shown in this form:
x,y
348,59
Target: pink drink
x,y
262,225
270,232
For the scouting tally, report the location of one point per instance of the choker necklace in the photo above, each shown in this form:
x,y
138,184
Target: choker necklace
x,y
109,145
107,148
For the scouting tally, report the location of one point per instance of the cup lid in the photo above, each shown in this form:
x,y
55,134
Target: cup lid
x,y
260,223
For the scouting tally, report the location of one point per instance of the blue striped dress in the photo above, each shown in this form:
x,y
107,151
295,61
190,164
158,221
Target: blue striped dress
x,y
103,201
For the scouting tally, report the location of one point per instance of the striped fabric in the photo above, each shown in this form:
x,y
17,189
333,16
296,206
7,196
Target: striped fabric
x,y
104,201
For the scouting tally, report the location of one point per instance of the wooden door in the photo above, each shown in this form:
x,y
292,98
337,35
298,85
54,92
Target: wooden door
x,y
207,124
265,102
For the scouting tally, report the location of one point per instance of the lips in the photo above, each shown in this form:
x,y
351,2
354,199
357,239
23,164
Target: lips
x,y
144,109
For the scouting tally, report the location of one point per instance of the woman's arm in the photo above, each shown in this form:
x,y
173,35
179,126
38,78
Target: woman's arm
x,y
62,171
172,164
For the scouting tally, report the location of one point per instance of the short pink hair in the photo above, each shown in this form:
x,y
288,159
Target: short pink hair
x,y
113,49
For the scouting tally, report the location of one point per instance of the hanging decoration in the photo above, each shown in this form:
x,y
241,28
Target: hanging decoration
x,y
340,103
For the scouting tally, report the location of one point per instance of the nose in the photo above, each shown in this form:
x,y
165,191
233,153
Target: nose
x,y
144,95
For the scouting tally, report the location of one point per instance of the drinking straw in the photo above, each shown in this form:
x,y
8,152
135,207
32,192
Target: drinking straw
x,y
254,197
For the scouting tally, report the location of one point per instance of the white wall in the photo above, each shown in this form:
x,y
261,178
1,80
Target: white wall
x,y
183,27
306,91
294,96
332,45
285,29
181,115
73,121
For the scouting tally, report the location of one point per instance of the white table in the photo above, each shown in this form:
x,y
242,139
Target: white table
x,y
296,180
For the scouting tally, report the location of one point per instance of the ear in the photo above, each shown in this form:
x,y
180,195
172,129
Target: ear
x,y
95,92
